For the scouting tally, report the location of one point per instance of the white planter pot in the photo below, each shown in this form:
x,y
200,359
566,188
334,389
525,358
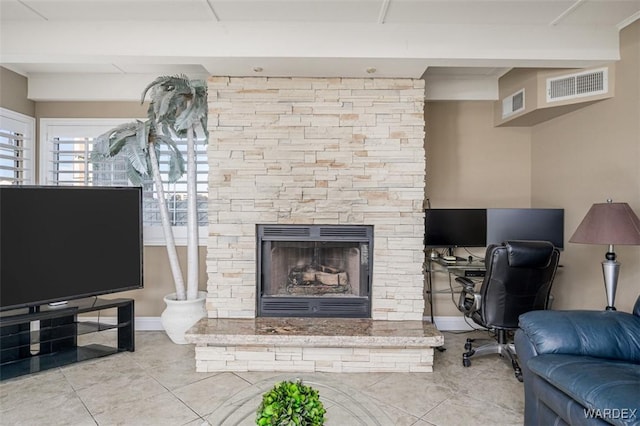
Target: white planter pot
x,y
181,315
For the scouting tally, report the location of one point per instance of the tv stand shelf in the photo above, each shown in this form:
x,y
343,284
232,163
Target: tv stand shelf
x,y
53,342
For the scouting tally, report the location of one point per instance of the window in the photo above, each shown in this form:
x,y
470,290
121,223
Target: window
x,y
66,146
16,148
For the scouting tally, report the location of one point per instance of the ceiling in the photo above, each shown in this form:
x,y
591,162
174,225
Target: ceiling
x,y
110,49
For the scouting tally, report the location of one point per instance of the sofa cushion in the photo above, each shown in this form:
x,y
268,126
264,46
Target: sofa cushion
x,y
595,383
604,334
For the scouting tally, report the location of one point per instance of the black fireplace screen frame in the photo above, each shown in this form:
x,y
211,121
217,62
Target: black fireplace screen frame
x,y
327,306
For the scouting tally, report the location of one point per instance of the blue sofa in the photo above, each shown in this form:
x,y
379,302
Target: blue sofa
x,y
580,367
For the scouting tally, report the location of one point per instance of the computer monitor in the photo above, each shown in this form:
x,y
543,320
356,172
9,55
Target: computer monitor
x,y
525,224
446,228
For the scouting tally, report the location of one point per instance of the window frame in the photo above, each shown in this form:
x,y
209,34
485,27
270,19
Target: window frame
x,y
152,235
27,126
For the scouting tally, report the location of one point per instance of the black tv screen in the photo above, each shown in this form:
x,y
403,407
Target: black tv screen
x,y
455,228
525,224
61,243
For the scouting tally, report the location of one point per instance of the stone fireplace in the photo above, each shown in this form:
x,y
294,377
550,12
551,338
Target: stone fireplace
x,y
316,151
323,178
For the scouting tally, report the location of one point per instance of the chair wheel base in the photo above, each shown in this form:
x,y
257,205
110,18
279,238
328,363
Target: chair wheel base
x,y
517,370
466,362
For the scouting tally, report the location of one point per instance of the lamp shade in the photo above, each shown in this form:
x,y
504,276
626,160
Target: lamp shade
x,y
610,224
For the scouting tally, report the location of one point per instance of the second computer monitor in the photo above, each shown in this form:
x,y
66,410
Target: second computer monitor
x,y
525,224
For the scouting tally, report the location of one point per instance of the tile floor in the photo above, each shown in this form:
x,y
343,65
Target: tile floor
x,y
157,385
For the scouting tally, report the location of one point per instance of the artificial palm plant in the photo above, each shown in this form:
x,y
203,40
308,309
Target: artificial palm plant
x,y
178,108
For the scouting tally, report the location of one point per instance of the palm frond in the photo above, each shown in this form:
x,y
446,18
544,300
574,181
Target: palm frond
x,y
137,159
177,103
162,80
129,140
110,143
176,166
100,148
163,86
142,134
134,177
203,124
191,116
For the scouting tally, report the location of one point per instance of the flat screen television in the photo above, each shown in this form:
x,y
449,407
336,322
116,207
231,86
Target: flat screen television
x,y
61,243
526,224
446,228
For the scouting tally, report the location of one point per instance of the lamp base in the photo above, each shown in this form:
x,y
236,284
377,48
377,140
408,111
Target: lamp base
x,y
610,272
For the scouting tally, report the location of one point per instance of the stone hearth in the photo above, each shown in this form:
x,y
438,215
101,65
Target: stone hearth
x,y
314,345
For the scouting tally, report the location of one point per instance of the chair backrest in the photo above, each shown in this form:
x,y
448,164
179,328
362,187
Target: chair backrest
x,y
518,279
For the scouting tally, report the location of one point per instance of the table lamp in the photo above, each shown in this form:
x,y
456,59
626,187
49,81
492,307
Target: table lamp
x,y
609,224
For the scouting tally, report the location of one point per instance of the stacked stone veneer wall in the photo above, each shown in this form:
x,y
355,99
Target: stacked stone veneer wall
x,y
316,151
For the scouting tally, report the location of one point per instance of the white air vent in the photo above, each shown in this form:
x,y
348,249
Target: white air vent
x,y
513,104
578,85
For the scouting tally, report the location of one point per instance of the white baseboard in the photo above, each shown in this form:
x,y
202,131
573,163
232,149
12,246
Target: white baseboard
x,y
443,323
452,323
149,324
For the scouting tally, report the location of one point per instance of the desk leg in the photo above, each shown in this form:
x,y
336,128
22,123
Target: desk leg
x,y
430,292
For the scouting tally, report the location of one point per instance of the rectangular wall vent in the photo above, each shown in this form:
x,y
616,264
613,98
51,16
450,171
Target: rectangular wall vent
x,y
578,85
513,104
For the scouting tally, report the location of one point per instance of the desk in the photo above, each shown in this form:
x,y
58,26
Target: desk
x,y
459,268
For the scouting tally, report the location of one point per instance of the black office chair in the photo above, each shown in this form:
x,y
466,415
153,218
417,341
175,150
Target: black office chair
x,y
518,279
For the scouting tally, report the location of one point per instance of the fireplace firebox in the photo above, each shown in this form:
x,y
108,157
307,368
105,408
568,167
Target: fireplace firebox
x,y
314,270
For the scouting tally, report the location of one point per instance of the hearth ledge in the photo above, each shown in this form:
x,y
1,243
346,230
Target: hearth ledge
x,y
314,345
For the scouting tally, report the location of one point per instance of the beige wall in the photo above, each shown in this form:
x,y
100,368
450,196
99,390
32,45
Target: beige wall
x,y
570,162
90,110
13,93
471,163
585,157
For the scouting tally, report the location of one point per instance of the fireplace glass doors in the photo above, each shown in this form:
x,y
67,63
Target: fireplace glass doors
x,y
314,270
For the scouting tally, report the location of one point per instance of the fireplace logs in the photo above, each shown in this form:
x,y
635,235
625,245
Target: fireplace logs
x,y
317,280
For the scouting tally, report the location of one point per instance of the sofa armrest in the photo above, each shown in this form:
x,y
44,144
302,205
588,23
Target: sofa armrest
x,y
602,334
526,350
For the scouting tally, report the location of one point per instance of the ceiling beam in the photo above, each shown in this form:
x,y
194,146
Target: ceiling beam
x,y
108,41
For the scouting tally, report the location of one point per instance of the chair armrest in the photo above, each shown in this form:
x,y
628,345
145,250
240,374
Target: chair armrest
x,y
469,300
466,283
602,334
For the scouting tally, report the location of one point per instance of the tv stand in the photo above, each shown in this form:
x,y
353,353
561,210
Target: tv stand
x,y
54,341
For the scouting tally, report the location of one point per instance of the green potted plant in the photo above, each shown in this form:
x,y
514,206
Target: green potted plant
x,y
291,403
178,108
